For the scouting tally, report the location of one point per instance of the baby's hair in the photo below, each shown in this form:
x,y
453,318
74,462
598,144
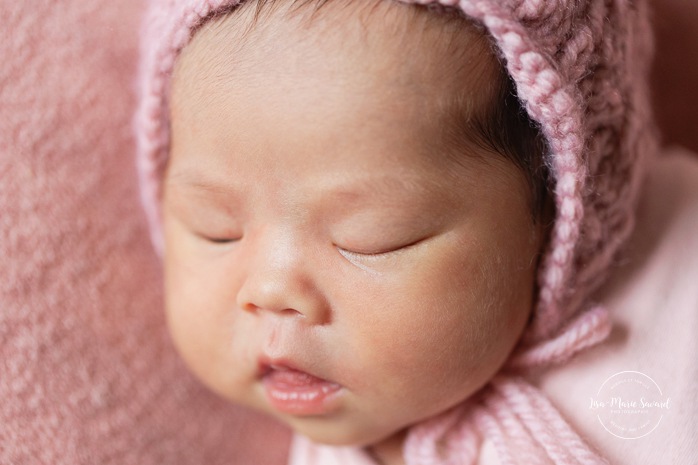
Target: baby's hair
x,y
504,127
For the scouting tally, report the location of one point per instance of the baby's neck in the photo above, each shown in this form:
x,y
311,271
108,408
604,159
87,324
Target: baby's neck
x,y
389,451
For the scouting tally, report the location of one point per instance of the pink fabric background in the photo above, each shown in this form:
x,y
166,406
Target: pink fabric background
x,y
87,373
675,76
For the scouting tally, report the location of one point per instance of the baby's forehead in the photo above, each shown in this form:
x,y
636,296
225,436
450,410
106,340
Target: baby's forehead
x,y
396,43
326,18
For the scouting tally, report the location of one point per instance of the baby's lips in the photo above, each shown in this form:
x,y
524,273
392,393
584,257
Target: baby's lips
x,y
296,392
295,378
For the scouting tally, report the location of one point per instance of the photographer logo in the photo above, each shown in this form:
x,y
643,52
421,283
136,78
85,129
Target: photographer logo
x,y
630,405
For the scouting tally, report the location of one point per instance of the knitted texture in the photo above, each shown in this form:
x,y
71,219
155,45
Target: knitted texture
x,y
579,68
523,425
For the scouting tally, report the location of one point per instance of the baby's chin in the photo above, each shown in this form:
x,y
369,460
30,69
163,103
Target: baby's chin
x,y
333,431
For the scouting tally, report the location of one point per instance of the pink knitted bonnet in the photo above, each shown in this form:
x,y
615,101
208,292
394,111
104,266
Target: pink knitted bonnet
x,y
580,69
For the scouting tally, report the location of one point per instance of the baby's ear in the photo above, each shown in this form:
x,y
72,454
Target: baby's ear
x,y
87,373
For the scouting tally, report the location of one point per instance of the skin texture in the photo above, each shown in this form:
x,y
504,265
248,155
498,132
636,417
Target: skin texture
x,y
317,211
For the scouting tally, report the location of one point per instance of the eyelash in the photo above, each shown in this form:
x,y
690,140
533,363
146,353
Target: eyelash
x,y
344,251
219,240
384,253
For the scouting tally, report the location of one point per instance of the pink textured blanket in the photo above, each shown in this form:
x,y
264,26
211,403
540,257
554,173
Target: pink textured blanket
x,y
87,373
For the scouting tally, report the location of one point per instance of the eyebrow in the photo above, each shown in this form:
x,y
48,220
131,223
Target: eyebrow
x,y
380,186
355,191
197,180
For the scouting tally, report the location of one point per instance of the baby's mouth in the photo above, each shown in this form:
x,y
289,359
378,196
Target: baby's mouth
x,y
296,392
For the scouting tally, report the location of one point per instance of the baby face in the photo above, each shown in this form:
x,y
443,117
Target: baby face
x,y
332,258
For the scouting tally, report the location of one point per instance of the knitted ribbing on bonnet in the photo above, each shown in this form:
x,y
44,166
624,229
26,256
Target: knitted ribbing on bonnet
x,y
580,69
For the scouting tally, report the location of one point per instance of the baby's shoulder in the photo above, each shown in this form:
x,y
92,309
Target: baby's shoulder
x,y
652,296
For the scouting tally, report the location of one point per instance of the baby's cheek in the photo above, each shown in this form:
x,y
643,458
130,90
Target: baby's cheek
x,y
416,335
472,309
499,314
183,297
193,313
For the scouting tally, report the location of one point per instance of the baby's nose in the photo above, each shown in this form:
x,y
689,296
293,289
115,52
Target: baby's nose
x,y
280,281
